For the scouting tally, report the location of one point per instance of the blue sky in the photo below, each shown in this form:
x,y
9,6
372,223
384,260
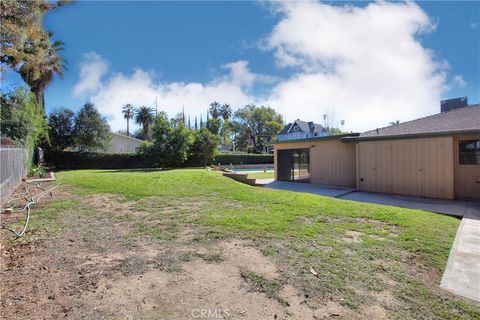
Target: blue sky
x,y
185,54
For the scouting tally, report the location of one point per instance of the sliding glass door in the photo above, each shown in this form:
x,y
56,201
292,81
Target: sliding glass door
x,y
294,165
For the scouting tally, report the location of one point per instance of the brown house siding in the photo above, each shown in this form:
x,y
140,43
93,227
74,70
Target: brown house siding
x,y
467,177
332,162
418,167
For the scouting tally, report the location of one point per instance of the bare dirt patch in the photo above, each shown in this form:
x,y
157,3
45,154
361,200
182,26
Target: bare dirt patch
x,y
94,267
353,236
93,270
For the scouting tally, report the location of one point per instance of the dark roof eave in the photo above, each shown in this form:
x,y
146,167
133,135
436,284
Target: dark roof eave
x,y
418,135
332,137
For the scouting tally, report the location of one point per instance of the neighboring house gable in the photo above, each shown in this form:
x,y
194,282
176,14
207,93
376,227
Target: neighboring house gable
x,y
302,130
120,143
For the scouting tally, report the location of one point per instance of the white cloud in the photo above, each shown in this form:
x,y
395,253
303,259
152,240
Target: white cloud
x,y
365,65
92,69
240,74
458,81
140,88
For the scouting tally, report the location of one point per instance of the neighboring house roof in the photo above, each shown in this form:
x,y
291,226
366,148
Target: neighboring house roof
x,y
345,137
461,120
124,136
304,126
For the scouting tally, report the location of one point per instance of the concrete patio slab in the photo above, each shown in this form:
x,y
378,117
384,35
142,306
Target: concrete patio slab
x,y
450,207
462,273
263,182
322,190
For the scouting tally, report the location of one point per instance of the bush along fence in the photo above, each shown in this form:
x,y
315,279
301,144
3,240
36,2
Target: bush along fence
x,y
14,166
91,160
239,159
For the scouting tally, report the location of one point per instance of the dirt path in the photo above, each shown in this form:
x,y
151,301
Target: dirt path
x,y
92,268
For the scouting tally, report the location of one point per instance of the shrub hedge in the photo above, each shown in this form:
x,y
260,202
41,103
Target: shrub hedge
x,y
92,160
235,159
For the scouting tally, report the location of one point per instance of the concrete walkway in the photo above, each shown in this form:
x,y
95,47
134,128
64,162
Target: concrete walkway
x,y
450,207
321,190
462,274
454,208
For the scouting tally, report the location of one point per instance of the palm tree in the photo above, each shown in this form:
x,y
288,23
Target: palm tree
x,y
394,123
226,111
214,109
127,111
144,117
42,65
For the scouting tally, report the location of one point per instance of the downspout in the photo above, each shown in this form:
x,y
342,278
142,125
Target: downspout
x,y
357,166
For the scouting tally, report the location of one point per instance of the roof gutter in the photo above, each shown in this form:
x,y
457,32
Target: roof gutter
x,y
332,137
418,135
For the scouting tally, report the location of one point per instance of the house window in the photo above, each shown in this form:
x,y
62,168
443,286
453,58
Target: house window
x,y
295,128
469,152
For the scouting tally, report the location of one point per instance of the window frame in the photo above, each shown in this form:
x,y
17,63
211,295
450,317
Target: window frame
x,y
475,153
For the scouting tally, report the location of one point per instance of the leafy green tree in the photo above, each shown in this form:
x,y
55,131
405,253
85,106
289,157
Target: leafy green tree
x,y
61,126
178,119
22,120
144,117
204,147
225,131
214,126
257,126
180,142
91,129
235,128
127,111
171,142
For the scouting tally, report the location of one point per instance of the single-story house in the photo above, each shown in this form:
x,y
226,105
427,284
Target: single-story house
x,y
436,156
120,143
301,130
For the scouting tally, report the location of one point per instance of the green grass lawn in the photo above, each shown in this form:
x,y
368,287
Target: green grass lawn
x,y
359,250
261,175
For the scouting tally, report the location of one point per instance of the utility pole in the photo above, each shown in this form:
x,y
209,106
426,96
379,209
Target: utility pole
x,y
156,106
